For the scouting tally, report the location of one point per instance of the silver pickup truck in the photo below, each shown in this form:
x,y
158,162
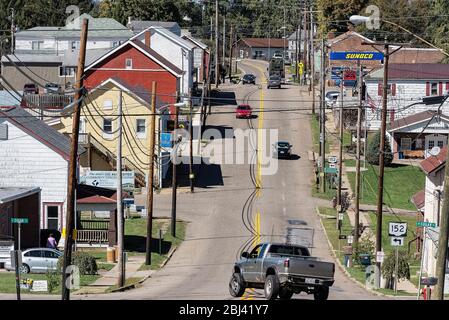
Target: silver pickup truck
x,y
282,270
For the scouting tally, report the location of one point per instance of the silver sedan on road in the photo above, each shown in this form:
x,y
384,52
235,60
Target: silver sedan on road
x,y
37,260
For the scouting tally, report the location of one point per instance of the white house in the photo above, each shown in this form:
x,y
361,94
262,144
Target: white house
x,y
295,37
201,56
103,33
34,155
434,167
173,48
407,115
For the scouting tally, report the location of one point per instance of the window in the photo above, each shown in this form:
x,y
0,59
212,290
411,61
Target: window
x,y
141,128
52,217
34,254
434,89
37,45
107,126
3,132
67,71
74,45
50,254
440,143
406,144
431,144
116,43
129,63
107,104
255,252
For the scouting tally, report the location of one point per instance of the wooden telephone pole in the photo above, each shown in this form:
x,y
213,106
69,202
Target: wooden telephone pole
x,y
151,174
174,180
357,173
217,68
72,182
121,280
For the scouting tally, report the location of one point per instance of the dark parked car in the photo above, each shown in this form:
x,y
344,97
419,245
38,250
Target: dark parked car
x,y
30,88
249,78
282,149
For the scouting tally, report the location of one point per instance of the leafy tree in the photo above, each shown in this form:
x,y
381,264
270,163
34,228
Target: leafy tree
x,y
389,264
372,153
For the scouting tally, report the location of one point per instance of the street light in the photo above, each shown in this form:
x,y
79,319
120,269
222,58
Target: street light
x,y
357,20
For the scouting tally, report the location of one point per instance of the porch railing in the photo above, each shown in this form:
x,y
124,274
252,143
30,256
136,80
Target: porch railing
x,y
92,236
94,225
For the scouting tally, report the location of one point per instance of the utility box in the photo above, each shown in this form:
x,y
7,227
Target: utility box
x,y
365,259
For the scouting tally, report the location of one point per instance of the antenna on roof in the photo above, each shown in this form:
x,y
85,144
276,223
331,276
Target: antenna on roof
x,y
435,151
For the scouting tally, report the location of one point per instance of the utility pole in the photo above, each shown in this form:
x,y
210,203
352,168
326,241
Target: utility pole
x,y
224,43
72,181
191,174
120,221
217,69
443,237
231,46
150,184
312,61
13,29
306,44
296,54
357,165
340,156
211,28
323,115
380,187
174,181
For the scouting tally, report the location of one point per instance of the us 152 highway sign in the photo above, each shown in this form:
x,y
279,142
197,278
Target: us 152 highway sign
x,y
397,229
397,241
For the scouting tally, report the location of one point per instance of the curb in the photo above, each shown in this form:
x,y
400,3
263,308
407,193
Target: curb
x,y
342,268
135,285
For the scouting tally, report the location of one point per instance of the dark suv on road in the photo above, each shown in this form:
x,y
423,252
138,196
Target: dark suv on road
x,y
249,78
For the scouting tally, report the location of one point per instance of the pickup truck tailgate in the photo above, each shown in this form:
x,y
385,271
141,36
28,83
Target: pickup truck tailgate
x,y
311,268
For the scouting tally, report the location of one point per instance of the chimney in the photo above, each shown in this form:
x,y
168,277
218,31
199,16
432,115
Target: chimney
x,y
129,20
148,38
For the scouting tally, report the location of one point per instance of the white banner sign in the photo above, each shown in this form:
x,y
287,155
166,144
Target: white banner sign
x,y
39,286
108,179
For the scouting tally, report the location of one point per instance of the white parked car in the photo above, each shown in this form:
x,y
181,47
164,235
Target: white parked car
x,y
37,260
331,98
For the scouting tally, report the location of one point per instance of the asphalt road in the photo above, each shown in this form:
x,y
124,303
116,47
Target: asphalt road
x,y
202,266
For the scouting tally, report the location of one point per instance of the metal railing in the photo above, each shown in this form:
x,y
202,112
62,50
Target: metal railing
x,y
94,225
92,236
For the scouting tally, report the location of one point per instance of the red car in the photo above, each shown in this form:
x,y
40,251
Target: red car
x,y
243,111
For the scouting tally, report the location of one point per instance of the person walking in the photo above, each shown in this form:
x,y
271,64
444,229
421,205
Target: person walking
x,y
51,242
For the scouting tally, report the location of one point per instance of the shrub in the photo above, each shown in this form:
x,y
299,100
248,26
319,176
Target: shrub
x,y
388,267
365,246
85,262
53,280
373,148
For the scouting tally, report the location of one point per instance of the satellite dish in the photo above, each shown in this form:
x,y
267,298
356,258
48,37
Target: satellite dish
x,y
435,151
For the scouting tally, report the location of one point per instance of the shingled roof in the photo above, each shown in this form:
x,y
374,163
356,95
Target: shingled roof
x,y
39,130
432,163
265,43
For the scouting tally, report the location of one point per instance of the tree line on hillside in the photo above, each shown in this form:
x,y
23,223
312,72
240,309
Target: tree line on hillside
x,y
250,18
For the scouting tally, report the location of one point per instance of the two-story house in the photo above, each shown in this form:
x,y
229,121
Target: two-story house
x,y
433,167
34,155
174,49
413,127
104,33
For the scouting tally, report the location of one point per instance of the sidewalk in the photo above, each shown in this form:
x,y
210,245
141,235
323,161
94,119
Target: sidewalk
x,y
109,278
404,285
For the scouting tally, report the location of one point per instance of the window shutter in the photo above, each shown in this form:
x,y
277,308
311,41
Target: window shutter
x,y
427,89
393,89
379,89
3,132
447,87
392,113
440,88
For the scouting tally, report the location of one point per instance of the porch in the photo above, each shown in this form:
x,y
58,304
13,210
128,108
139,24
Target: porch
x,y
416,145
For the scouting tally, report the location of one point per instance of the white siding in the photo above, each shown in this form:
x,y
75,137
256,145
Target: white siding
x,y
433,182
27,162
407,92
61,45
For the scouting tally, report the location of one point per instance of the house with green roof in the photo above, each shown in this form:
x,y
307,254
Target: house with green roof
x,y
104,33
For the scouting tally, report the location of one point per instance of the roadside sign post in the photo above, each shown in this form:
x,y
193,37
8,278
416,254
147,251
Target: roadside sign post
x,y
19,222
16,265
397,232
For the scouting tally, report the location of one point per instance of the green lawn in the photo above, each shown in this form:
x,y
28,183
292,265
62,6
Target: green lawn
x,y
358,272
128,282
401,182
8,282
